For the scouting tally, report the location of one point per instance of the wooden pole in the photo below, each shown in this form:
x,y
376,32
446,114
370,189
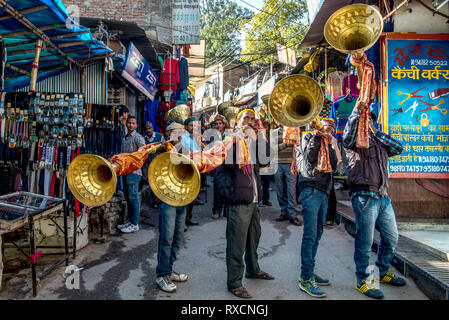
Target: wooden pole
x,y
325,70
35,66
83,80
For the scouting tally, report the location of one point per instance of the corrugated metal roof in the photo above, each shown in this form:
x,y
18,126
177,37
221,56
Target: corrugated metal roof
x,y
70,82
51,18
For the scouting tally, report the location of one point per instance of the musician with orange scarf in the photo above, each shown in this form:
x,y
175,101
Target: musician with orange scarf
x,y
240,192
316,161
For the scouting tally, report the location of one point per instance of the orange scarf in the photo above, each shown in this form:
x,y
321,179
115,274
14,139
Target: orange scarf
x,y
324,163
367,93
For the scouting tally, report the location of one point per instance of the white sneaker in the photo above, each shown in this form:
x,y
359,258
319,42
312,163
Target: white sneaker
x,y
178,277
130,228
122,226
165,284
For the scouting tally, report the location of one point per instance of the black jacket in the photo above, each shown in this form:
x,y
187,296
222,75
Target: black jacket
x,y
311,177
234,186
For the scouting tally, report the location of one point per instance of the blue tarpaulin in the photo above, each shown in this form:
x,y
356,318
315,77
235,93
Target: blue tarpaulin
x,y
52,18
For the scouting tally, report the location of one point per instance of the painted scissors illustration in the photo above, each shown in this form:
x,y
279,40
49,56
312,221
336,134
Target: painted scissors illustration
x,y
434,107
413,107
409,95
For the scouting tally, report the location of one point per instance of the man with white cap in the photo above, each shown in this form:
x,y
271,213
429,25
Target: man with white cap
x,y
171,229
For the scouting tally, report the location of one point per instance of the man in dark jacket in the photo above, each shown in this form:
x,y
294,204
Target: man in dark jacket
x,y
368,182
240,192
314,188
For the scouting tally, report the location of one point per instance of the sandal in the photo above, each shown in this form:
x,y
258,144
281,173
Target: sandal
x,y
241,292
216,216
260,275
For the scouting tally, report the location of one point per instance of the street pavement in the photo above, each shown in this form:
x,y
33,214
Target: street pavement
x,y
124,266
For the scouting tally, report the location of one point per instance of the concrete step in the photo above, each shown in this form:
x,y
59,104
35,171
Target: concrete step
x,y
435,241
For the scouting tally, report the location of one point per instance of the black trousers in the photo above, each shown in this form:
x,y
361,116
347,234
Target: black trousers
x,y
266,180
332,205
218,204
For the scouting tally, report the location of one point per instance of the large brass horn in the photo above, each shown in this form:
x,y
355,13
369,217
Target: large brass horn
x,y
92,179
296,101
174,179
180,112
230,113
354,29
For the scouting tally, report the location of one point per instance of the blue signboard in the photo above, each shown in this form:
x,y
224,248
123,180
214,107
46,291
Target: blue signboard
x,y
139,73
418,103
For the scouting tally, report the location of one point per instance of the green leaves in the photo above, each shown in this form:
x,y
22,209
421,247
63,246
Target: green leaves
x,y
280,21
221,23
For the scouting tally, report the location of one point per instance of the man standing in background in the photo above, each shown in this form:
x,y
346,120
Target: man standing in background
x,y
286,181
151,137
131,143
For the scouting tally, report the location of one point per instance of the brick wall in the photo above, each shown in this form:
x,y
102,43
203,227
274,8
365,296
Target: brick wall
x,y
144,12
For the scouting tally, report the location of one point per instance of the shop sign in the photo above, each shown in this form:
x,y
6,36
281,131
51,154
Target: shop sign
x,y
186,22
248,88
418,103
139,73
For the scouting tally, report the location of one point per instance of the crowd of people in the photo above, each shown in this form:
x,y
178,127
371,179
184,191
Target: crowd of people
x,y
304,184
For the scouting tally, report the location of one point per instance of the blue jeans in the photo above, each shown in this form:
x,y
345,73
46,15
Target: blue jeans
x,y
132,195
314,209
286,189
368,211
171,230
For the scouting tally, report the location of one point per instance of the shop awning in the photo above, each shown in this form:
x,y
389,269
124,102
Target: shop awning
x,y
248,100
65,45
315,35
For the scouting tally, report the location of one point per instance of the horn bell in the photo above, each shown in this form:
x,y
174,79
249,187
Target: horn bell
x,y
92,179
230,113
174,179
180,113
354,29
295,101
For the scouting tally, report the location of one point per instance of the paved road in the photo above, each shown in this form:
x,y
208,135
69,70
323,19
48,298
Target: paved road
x,y
124,268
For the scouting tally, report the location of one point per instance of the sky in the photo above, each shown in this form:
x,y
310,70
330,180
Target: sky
x,y
255,3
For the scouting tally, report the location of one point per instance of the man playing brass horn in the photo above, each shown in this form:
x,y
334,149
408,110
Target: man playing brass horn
x,y
239,190
316,161
368,183
171,231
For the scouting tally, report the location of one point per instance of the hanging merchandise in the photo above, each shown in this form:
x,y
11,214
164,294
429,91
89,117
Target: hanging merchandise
x,y
170,75
335,82
183,74
341,110
150,113
350,83
39,131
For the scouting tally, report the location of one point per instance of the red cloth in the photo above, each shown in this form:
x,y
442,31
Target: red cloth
x,y
170,75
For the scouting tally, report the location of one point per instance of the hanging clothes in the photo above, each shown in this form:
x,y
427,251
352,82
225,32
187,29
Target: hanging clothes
x,y
183,74
170,75
350,82
342,109
151,110
335,82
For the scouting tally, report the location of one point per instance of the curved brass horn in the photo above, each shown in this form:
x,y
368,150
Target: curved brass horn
x,y
354,29
92,179
230,113
174,179
296,101
180,112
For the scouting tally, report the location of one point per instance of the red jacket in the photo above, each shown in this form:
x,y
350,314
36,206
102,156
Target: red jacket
x,y
170,75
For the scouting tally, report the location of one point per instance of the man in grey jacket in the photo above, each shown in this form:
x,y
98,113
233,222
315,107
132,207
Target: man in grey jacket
x,y
314,188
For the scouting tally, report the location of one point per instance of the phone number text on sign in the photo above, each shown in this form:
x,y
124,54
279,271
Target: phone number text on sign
x,y
413,168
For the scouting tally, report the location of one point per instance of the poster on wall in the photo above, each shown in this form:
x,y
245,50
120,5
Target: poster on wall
x,y
418,103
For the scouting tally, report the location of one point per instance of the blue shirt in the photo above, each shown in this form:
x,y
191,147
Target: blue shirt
x,y
189,142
